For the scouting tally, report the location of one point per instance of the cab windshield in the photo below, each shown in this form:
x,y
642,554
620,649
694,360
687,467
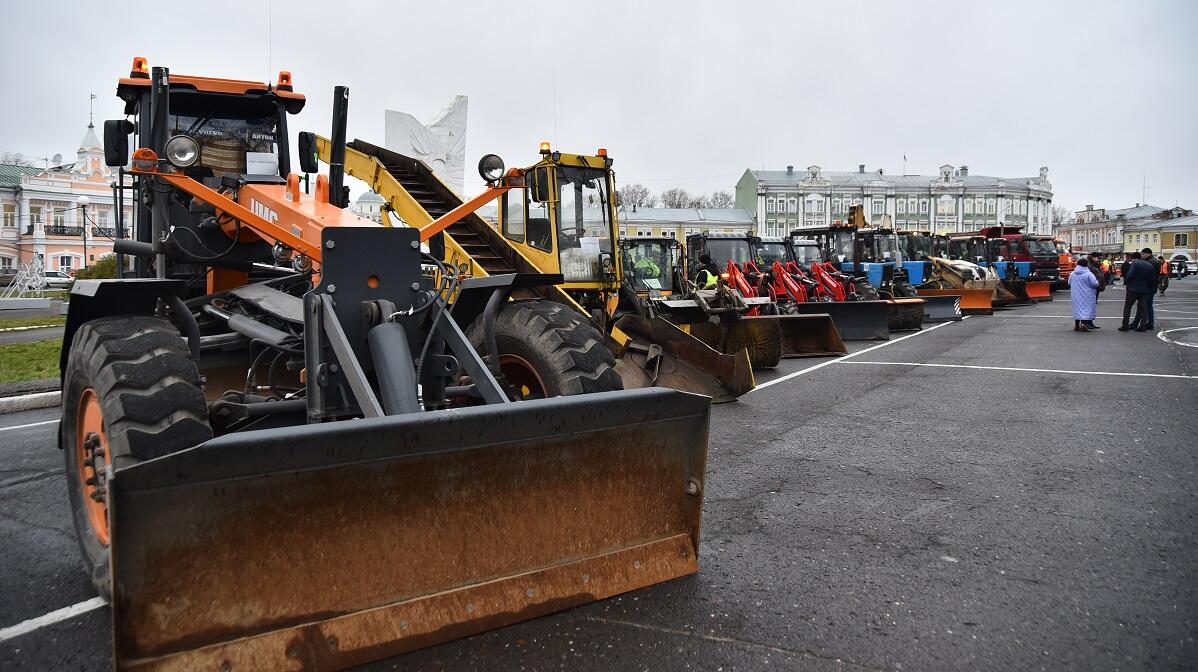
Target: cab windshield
x,y
234,138
1038,247
770,252
915,246
723,250
583,222
841,244
649,266
887,249
806,253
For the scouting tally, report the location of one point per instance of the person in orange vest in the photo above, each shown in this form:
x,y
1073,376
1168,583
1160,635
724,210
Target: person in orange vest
x,y
1106,270
1164,274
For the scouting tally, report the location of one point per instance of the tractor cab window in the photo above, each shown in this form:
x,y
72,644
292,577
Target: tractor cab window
x,y
723,250
513,206
841,245
805,254
1041,248
768,253
241,139
915,247
885,247
583,224
648,266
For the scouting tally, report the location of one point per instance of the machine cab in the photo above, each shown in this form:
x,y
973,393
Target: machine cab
x,y
564,220
771,249
649,264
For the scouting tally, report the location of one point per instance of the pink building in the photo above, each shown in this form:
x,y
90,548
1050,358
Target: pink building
x,y
40,210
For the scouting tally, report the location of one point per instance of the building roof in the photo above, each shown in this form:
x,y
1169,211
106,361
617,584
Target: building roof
x,y
873,178
1172,224
10,175
1133,213
90,141
658,216
371,197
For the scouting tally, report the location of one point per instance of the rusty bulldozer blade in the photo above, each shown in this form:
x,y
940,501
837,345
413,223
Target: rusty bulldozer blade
x,y
661,354
904,314
331,545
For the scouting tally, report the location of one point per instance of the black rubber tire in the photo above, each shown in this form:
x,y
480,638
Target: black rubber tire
x,y
150,399
568,353
866,291
764,343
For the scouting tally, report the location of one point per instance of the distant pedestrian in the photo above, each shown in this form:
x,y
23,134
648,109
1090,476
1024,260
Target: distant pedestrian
x,y
1106,270
1139,280
1083,290
1164,274
1098,268
1128,257
1154,283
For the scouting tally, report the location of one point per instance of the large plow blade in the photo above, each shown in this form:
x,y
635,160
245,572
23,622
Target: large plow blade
x,y
942,308
972,301
331,545
854,320
1039,290
809,335
660,354
905,314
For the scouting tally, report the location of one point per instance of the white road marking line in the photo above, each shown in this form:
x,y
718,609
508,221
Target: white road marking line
x,y
1016,368
36,326
32,424
51,618
821,365
1163,335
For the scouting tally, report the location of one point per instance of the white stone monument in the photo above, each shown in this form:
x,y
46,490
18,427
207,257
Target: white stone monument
x,y
440,144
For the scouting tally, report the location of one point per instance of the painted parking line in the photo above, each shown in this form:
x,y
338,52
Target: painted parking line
x,y
1027,370
1164,336
1100,317
32,424
821,365
51,618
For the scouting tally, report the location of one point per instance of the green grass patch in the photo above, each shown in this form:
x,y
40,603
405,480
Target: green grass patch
x,y
29,361
49,320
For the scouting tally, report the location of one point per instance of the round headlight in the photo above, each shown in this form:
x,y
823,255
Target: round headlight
x,y
182,151
490,167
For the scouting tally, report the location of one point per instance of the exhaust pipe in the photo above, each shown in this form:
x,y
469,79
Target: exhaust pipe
x,y
337,192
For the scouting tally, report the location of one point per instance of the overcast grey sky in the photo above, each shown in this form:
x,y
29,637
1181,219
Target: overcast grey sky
x,y
684,93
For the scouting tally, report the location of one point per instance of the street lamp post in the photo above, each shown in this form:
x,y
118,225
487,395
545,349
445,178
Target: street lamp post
x,y
83,202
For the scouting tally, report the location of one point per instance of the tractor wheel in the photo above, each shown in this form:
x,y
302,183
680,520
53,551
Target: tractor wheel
x,y
130,393
762,338
867,292
547,349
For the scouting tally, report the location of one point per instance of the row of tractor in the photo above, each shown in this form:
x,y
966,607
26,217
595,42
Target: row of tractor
x,y
296,438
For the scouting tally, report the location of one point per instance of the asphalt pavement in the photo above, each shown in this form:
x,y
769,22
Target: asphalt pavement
x,y
1000,493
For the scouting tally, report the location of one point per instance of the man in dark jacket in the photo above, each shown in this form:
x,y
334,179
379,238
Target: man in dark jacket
x,y
1136,281
1154,284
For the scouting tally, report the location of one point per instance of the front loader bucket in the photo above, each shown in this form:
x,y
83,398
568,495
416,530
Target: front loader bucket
x,y
331,545
941,308
905,314
854,320
809,335
1018,291
972,301
683,363
1039,290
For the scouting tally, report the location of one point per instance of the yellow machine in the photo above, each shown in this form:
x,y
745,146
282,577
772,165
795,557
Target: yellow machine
x,y
562,223
978,287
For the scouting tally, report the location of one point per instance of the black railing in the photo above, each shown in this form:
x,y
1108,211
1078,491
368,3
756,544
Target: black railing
x,y
60,230
104,231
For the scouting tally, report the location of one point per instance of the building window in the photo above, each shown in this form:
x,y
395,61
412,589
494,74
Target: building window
x,y
946,205
1181,240
900,206
644,233
879,206
769,205
792,206
10,215
6,263
814,204
1023,207
35,215
968,203
671,233
836,205
65,262
990,204
911,206
923,206
60,218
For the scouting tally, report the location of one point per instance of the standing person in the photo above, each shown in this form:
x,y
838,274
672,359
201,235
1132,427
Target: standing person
x,y
1136,279
708,274
1128,257
1083,294
1154,283
1098,268
1106,270
1164,274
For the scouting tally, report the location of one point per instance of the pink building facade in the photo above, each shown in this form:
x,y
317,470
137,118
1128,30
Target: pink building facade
x,y
40,211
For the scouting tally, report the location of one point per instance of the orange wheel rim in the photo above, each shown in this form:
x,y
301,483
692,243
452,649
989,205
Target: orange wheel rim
x,y
91,455
521,374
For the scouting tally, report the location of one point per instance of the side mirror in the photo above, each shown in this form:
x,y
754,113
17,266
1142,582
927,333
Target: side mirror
x,y
307,152
116,141
607,264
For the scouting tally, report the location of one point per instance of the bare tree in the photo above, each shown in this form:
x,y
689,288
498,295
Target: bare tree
x,y
720,199
15,159
1060,215
677,198
635,195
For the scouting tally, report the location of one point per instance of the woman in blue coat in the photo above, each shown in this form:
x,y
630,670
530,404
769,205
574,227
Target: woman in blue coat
x,y
1083,289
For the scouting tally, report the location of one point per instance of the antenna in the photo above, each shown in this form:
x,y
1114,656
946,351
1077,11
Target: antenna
x,y
269,38
1144,192
554,75
91,110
